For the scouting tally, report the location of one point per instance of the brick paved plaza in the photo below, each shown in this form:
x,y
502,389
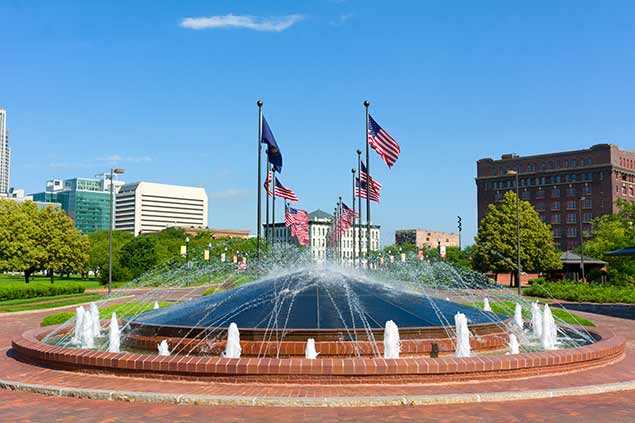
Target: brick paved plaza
x,y
27,406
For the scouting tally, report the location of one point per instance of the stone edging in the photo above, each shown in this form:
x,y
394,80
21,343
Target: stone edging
x,y
379,401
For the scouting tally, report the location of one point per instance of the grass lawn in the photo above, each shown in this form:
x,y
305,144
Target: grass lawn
x,y
122,310
53,304
506,308
90,283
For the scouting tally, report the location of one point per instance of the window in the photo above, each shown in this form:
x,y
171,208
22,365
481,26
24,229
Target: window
x,y
581,162
556,232
587,189
589,161
623,189
540,205
587,203
630,191
573,163
566,163
572,218
555,205
558,164
572,232
587,217
558,179
555,192
543,218
526,195
540,194
555,219
571,192
550,164
571,204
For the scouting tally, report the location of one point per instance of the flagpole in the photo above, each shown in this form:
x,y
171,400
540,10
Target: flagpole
x,y
341,232
273,208
359,206
267,207
354,218
368,182
286,228
259,219
335,233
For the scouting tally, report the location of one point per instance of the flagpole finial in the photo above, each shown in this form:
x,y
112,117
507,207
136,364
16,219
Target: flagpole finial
x,y
353,171
359,152
366,103
259,103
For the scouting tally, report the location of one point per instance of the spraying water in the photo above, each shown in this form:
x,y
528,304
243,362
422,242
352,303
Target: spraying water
x,y
156,305
310,352
518,316
536,320
549,330
163,348
114,336
486,306
462,336
514,347
87,339
94,316
392,345
232,349
77,334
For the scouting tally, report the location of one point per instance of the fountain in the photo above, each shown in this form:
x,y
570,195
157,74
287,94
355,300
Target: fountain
x,y
462,336
87,339
549,330
310,353
486,306
77,334
514,347
391,340
518,316
156,305
536,320
114,337
163,348
94,316
232,349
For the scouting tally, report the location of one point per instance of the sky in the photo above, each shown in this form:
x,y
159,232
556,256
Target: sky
x,y
168,90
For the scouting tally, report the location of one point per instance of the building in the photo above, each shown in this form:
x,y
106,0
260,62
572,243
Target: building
x,y
145,207
564,187
320,233
86,201
217,233
5,153
18,196
426,238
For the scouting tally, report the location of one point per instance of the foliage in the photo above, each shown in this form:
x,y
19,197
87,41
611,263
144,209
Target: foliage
x,y
138,255
14,291
506,308
581,292
496,242
122,310
458,257
613,232
99,250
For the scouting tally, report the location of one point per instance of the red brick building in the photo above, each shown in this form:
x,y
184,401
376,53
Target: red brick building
x,y
557,184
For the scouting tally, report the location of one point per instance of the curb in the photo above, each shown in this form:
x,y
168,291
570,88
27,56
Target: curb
x,y
210,400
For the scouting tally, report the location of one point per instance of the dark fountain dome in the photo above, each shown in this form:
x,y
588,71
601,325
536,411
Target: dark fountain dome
x,y
310,300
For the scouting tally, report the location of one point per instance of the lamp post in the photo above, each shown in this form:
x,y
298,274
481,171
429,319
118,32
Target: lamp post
x,y
580,202
112,223
515,173
209,259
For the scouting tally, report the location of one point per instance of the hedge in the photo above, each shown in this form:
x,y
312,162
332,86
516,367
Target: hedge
x,y
581,292
32,290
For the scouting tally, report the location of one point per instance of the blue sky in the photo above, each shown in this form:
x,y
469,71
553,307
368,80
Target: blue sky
x,y
88,85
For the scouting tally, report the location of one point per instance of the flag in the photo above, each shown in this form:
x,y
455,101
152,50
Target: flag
x,y
363,176
347,219
279,190
299,222
273,152
382,142
361,188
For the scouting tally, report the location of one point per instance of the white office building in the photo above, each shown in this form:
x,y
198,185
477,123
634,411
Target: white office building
x,y
320,233
145,207
5,154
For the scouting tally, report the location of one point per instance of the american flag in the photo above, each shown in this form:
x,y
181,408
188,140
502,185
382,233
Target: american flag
x,y
382,142
360,191
280,190
299,222
363,176
347,218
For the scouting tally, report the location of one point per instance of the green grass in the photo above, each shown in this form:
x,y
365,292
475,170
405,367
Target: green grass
x,y
122,310
506,308
90,283
54,304
38,299
582,292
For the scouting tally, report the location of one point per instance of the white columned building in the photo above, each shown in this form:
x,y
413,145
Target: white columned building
x,y
145,207
320,233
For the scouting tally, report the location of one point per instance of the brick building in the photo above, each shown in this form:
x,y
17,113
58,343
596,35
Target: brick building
x,y
427,238
557,184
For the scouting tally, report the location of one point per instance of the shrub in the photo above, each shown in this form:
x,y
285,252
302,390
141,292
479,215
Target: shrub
x,y
582,292
32,290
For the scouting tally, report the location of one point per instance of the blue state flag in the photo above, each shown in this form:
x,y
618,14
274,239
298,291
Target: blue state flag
x,y
273,152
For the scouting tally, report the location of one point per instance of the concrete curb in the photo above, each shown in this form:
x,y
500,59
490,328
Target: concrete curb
x,y
445,399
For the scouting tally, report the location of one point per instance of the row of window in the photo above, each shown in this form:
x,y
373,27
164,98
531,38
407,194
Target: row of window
x,y
546,165
543,180
571,232
587,203
570,218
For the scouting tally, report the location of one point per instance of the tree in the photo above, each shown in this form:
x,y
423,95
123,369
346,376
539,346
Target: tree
x,y
20,249
458,257
613,232
139,255
495,248
98,260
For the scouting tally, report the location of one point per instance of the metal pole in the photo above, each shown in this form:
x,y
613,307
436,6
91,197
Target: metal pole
x,y
335,233
520,292
110,233
359,206
259,220
286,228
273,208
354,219
341,233
366,104
581,239
267,207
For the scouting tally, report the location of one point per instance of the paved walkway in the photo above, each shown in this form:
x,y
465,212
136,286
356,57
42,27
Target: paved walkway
x,y
12,370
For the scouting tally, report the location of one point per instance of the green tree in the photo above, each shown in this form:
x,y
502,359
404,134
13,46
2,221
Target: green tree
x,y
495,249
139,255
20,246
98,260
458,257
613,232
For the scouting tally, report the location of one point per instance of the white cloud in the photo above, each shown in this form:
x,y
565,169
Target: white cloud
x,y
274,24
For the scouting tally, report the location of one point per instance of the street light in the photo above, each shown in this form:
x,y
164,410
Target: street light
x,y
581,237
112,223
209,258
515,173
